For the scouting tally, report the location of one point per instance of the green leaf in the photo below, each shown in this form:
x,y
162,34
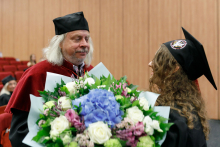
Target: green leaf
x,y
135,103
44,95
153,114
41,133
72,129
123,79
59,143
47,123
160,119
165,127
132,87
62,82
80,110
122,142
64,89
97,82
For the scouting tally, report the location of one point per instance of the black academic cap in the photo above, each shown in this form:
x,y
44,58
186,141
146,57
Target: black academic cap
x,y
7,79
70,22
190,54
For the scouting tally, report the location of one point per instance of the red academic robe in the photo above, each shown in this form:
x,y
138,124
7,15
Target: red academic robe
x,y
31,81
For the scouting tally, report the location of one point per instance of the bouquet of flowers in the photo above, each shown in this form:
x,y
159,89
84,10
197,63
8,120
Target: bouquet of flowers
x,y
95,111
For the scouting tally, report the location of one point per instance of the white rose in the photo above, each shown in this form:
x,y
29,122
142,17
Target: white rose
x,y
65,103
144,103
135,114
99,132
66,139
71,87
58,125
90,81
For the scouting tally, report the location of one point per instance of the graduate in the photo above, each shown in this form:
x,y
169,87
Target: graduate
x,y
9,83
175,68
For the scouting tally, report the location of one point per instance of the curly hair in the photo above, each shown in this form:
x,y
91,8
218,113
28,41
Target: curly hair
x,y
177,91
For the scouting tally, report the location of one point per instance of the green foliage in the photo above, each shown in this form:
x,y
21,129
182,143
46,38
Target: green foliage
x,y
122,142
64,89
165,127
47,123
78,109
43,132
48,96
133,87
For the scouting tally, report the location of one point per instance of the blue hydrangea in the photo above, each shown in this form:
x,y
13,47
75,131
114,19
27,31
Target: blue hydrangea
x,y
99,105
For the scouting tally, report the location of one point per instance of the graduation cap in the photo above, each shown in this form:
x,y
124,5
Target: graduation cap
x,y
70,22
190,54
7,79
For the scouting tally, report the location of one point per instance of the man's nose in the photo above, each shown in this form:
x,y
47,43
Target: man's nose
x,y
84,43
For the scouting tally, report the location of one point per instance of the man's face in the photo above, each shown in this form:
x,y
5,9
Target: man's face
x,y
75,46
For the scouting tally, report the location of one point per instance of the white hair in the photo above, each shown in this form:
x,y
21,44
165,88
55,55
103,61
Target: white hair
x,y
53,53
4,90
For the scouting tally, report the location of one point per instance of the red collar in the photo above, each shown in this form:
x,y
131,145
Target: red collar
x,y
69,66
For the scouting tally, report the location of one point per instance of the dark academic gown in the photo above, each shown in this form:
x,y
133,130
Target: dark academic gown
x,y
31,81
180,135
4,98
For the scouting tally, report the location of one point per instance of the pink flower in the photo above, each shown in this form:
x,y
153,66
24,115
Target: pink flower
x,y
124,86
41,122
46,112
139,129
118,86
73,118
124,92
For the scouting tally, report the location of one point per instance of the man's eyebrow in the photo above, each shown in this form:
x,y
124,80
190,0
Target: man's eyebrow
x,y
78,35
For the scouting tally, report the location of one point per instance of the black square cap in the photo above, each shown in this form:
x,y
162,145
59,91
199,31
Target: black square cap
x,y
190,54
70,22
7,79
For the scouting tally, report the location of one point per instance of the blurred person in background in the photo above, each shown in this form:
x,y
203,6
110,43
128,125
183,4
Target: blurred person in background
x,y
32,60
9,83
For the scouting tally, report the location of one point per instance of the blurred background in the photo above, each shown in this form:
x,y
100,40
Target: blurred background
x,y
126,33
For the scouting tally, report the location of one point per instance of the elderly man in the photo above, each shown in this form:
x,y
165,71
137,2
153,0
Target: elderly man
x,y
69,53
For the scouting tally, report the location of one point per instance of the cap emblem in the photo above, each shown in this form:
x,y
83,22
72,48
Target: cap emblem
x,y
178,44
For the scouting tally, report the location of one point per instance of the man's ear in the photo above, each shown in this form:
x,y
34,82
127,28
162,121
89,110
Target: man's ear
x,y
60,45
